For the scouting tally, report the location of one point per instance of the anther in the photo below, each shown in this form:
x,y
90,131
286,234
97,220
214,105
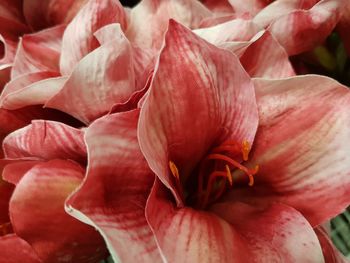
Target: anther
x,y
174,170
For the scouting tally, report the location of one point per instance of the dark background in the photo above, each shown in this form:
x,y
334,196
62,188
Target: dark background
x,y
130,3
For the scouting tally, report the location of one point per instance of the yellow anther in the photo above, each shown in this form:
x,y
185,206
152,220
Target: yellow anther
x,y
174,170
245,150
229,175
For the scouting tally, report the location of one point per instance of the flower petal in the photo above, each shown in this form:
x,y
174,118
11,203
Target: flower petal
x,y
114,194
302,146
251,7
15,170
14,249
40,14
330,252
11,19
266,58
199,95
149,19
78,39
38,52
46,140
302,30
234,30
38,199
187,235
101,79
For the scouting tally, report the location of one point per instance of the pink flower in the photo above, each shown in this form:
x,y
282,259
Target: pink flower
x,y
215,199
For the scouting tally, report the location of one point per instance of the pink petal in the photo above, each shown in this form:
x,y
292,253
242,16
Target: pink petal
x,y
265,57
219,6
46,140
38,199
79,40
243,234
14,249
234,30
149,19
38,52
251,7
113,196
302,30
40,14
101,79
199,95
330,252
20,92
302,146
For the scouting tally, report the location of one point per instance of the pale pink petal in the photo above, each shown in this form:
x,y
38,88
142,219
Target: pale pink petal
x,y
38,52
46,140
37,93
216,20
199,95
302,146
266,58
40,14
251,7
113,196
6,190
234,30
101,79
79,40
149,19
14,249
7,51
280,8
38,215
232,233
20,84
330,252
302,30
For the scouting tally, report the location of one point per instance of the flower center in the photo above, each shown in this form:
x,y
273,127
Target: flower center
x,y
5,229
215,173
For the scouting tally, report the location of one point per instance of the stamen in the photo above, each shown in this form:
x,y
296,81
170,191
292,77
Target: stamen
x,y
236,164
229,175
174,170
245,150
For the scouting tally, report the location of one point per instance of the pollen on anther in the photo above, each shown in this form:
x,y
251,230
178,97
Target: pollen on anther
x,y
174,170
229,175
245,150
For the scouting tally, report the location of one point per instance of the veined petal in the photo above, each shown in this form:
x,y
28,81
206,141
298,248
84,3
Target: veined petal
x,y
40,14
38,52
149,19
114,193
199,95
330,252
230,233
234,30
46,140
78,39
302,146
38,199
14,249
266,58
302,30
100,80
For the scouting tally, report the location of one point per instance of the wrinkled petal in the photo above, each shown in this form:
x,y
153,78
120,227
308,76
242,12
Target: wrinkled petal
x,y
302,146
30,89
302,30
114,194
14,249
199,95
38,199
40,14
103,78
236,235
265,57
149,19
38,52
235,30
46,140
330,252
78,39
